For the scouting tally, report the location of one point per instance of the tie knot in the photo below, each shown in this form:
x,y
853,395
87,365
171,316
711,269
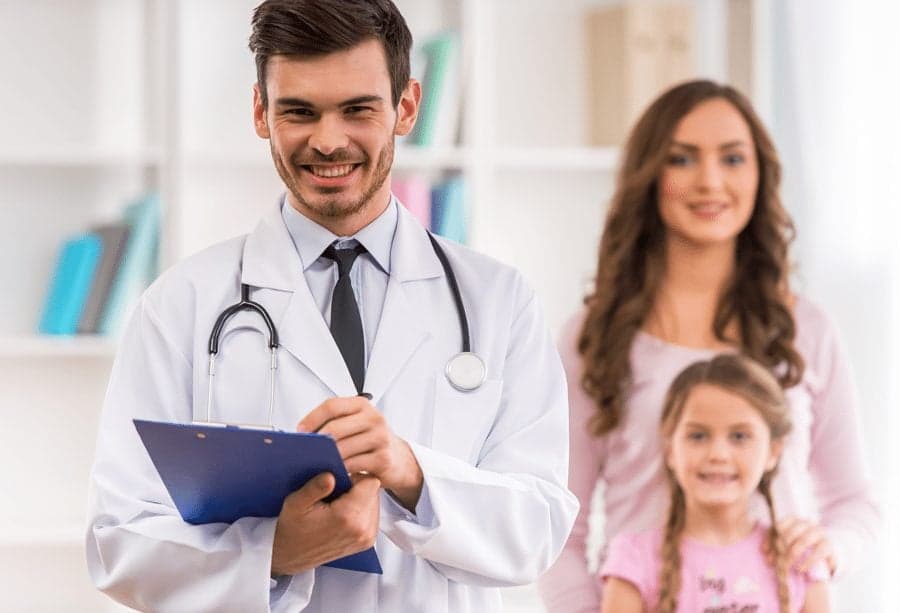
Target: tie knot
x,y
343,257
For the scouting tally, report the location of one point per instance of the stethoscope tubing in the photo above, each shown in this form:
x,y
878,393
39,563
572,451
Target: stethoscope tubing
x,y
247,304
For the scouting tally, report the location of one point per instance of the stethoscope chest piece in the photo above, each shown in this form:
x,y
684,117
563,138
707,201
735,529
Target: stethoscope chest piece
x,y
466,371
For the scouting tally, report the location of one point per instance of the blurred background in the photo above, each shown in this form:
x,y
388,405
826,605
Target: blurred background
x,y
126,144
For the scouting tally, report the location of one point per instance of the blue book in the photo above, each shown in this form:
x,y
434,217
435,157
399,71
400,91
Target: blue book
x,y
137,267
438,120
448,209
218,473
71,284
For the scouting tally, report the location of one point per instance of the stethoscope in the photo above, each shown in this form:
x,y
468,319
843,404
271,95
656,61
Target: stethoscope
x,y
465,371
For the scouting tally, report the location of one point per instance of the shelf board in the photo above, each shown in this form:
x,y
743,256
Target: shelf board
x,y
555,158
79,157
38,346
430,158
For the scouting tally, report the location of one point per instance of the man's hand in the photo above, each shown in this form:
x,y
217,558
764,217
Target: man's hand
x,y
368,446
310,532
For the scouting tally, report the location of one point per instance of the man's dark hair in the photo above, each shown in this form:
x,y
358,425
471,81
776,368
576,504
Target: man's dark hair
x,y
311,28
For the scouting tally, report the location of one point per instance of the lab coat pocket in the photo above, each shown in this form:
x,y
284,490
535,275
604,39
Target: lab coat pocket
x,y
463,420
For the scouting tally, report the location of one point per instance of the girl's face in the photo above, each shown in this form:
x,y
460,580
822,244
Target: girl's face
x,y
707,187
720,449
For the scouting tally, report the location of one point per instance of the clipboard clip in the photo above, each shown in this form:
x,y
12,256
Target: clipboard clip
x,y
221,424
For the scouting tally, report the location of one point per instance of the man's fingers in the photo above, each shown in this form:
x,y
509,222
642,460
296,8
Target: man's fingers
x,y
347,426
353,446
330,409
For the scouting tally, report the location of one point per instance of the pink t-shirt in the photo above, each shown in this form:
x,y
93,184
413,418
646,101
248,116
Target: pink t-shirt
x,y
822,474
714,579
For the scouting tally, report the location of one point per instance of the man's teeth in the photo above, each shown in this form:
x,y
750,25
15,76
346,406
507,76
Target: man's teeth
x,y
332,171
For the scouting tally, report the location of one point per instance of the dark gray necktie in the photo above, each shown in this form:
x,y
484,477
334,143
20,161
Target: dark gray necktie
x,y
346,325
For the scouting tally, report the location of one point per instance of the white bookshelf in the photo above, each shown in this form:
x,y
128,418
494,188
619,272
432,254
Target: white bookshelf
x,y
106,99
37,346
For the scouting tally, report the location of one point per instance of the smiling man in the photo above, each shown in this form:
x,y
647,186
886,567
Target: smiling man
x,y
427,363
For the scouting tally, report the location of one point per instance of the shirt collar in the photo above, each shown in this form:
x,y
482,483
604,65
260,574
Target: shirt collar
x,y
310,239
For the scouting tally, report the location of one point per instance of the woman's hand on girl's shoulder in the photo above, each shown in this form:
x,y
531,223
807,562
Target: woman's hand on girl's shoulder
x,y
805,544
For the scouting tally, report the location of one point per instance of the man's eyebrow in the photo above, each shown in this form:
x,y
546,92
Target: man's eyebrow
x,y
729,145
290,101
294,102
361,100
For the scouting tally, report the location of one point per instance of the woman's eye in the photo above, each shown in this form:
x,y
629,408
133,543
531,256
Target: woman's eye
x,y
740,437
696,436
678,159
734,159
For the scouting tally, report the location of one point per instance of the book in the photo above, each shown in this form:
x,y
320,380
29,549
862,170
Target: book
x,y
414,192
113,238
137,268
439,113
635,52
70,284
448,209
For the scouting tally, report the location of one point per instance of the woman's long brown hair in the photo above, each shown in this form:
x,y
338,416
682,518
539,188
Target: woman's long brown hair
x,y
632,259
752,382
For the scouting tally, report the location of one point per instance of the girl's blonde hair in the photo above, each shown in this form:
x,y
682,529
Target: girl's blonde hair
x,y
746,378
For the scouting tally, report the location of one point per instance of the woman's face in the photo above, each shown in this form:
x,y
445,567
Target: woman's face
x,y
708,184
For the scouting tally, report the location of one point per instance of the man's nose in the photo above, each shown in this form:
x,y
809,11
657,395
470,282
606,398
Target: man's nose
x,y
328,135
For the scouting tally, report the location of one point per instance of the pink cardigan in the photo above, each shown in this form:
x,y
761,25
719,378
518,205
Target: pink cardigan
x,y
822,475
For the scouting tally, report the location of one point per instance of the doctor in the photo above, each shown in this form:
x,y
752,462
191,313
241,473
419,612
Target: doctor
x,y
461,491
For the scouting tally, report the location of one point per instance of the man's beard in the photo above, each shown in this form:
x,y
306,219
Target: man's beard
x,y
337,208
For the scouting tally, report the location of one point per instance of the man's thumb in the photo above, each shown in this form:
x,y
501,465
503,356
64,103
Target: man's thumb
x,y
316,489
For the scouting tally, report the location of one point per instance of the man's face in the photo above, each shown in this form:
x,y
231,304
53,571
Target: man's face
x,y
331,126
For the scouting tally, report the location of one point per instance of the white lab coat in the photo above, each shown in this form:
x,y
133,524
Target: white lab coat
x,y
494,509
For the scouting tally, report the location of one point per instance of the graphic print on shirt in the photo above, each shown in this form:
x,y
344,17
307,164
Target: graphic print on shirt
x,y
740,600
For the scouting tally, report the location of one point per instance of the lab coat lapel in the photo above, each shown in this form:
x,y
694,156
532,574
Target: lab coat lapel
x,y
271,261
401,329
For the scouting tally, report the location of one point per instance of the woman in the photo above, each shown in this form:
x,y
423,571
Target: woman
x,y
694,261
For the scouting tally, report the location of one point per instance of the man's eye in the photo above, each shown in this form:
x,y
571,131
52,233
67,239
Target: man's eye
x,y
299,112
357,109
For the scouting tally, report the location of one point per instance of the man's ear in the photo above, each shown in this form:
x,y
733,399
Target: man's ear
x,y
260,122
408,108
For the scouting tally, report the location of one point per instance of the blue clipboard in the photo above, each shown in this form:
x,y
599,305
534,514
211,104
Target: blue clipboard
x,y
220,474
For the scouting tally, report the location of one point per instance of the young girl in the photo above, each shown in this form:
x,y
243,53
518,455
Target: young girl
x,y
723,428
